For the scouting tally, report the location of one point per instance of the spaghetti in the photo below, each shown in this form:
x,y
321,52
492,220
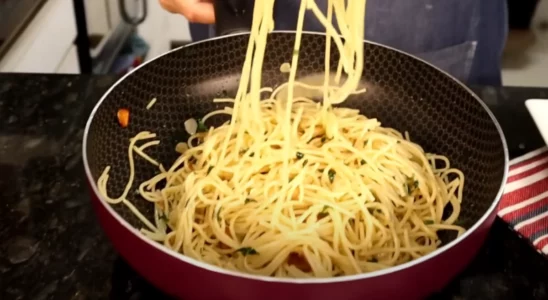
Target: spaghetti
x,y
295,188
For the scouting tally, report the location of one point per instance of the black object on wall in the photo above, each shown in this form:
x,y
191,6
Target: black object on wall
x,y
520,13
82,39
103,61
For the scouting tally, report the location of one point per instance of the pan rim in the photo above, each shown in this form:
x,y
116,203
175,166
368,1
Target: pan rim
x,y
313,281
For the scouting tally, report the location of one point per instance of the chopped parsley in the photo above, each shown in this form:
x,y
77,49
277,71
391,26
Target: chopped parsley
x,y
300,155
374,260
163,217
247,251
324,213
363,162
428,222
249,200
209,169
251,154
331,174
411,186
219,214
201,126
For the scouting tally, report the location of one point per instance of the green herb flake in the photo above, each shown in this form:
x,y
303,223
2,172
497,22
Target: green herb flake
x,y
249,200
374,260
324,213
219,214
411,185
323,139
162,216
374,211
305,162
331,174
428,222
209,169
363,162
365,143
201,126
251,154
247,251
300,155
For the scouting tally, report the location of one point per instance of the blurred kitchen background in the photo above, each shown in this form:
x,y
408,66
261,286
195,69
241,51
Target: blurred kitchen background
x,y
115,36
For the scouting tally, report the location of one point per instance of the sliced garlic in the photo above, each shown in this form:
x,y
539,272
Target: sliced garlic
x,y
191,126
181,147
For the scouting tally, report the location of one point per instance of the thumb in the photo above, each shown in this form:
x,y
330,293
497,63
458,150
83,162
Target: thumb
x,y
196,11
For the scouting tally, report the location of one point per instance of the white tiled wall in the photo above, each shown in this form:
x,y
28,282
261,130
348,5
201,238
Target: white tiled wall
x,y
525,61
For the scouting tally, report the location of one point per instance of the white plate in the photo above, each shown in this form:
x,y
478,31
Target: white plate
x,y
538,108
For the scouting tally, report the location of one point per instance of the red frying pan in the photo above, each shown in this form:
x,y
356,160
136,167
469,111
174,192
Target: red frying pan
x,y
404,92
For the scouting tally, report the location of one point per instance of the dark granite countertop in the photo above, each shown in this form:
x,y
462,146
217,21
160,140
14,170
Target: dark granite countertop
x,y
51,246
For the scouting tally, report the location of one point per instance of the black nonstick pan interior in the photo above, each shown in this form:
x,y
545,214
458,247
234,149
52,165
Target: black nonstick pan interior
x,y
405,93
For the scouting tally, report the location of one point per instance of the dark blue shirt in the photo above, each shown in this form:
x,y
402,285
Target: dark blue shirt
x,y
463,37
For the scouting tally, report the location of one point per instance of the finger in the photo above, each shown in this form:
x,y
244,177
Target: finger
x,y
199,12
170,6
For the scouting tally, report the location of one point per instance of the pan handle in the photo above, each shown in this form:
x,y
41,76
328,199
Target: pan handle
x,y
233,16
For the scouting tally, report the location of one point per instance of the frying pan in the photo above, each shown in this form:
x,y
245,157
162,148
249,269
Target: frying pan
x,y
403,92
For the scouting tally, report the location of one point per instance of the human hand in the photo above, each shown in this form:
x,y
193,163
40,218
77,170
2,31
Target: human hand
x,y
196,11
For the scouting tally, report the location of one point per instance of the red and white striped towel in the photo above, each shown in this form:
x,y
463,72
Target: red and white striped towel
x,y
524,204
